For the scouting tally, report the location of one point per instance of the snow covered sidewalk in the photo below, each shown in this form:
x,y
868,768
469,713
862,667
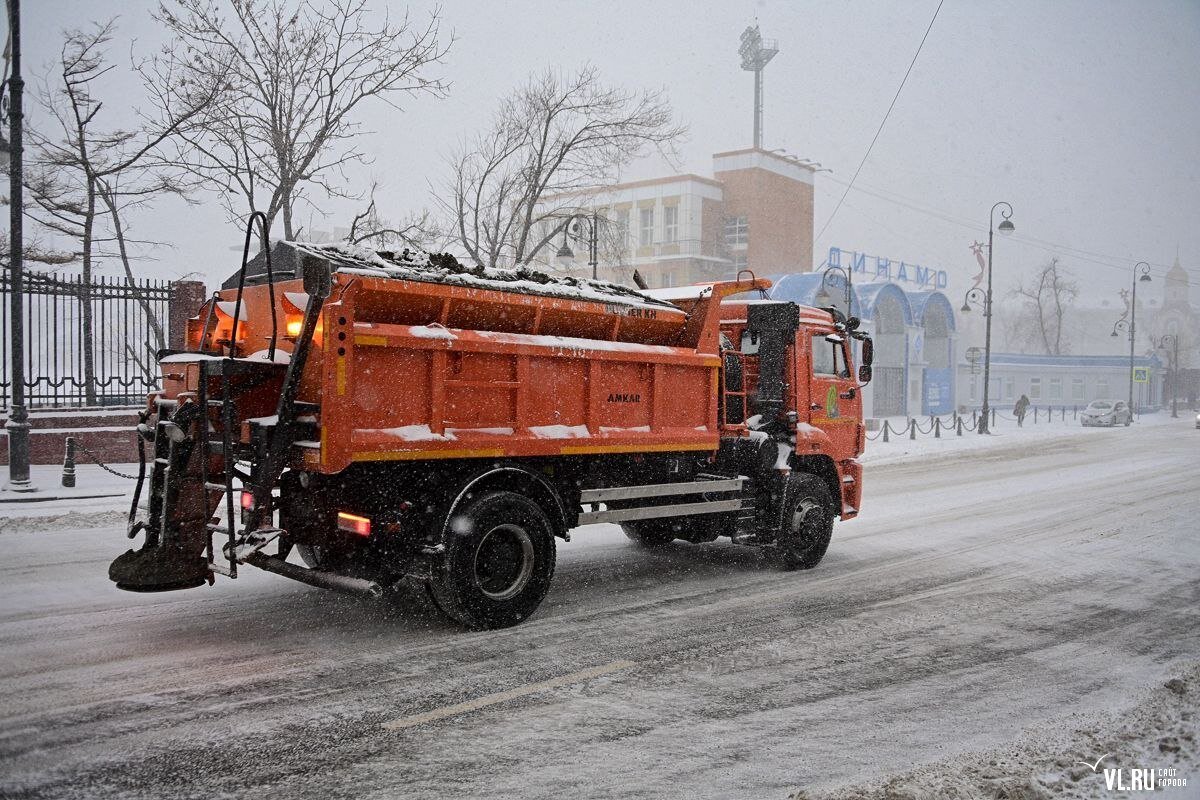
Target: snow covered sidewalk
x,y
1005,436
98,499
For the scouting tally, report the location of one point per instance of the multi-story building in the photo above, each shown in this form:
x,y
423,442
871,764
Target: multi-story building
x,y
756,212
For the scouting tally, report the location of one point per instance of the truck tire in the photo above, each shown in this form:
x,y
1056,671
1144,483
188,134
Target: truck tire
x,y
807,523
498,562
650,533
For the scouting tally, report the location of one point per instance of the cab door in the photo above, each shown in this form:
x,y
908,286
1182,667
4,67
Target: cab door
x,y
835,400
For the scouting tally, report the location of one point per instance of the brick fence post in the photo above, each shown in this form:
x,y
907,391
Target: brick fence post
x,y
184,303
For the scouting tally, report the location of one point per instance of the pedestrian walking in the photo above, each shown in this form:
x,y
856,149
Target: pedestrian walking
x,y
1022,406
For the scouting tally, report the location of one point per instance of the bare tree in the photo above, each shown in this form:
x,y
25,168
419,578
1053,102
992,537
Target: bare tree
x,y
80,172
553,145
1046,298
292,77
418,231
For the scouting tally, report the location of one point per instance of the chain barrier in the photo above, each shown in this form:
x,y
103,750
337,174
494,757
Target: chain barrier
x,y
69,461
958,424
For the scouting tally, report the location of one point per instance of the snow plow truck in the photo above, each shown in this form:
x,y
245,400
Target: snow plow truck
x,y
402,419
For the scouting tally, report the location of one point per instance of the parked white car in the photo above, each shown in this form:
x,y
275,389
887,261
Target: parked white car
x,y
1107,413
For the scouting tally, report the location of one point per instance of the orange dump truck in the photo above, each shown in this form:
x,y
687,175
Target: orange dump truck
x,y
400,417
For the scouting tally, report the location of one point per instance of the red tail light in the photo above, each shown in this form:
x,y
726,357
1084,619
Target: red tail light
x,y
353,523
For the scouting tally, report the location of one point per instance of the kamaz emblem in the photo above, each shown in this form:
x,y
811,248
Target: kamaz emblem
x,y
624,398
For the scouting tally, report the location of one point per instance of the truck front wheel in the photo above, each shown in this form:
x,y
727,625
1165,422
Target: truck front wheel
x,y
807,524
498,562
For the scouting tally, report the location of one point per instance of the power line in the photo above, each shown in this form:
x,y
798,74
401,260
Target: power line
x,y
1079,254
884,120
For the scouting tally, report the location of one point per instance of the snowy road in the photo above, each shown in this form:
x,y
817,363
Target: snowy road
x,y
977,596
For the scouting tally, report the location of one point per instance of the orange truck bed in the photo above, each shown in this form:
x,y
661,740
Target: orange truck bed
x,y
412,368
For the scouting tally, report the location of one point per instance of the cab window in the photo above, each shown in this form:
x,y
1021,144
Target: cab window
x,y
828,357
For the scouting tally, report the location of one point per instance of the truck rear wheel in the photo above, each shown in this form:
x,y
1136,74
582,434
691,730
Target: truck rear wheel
x,y
807,524
498,562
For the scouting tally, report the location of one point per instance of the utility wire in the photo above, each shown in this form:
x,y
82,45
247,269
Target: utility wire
x,y
883,121
1110,261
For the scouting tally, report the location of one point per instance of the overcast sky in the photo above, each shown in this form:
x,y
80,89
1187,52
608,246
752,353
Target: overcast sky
x,y
1084,115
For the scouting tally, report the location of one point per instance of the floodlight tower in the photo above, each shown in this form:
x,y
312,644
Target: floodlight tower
x,y
756,52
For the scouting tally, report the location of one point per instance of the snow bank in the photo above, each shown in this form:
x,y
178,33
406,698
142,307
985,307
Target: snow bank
x,y
1160,733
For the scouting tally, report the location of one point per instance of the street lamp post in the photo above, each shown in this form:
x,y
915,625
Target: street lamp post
x,y
18,416
564,253
1162,345
845,275
1141,274
984,299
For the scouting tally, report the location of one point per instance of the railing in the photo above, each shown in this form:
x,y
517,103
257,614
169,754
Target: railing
x,y
956,424
87,343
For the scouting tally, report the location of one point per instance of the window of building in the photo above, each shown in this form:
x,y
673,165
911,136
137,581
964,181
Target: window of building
x,y
1009,387
739,263
1035,388
973,390
645,227
994,389
1077,392
670,223
1055,389
1101,390
737,230
668,279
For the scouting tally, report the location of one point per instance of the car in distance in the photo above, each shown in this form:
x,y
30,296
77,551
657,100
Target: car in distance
x,y
1106,413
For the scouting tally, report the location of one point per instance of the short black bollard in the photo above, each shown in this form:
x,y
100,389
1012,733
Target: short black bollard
x,y
974,419
937,427
1035,415
68,476
885,430
912,429
960,426
993,418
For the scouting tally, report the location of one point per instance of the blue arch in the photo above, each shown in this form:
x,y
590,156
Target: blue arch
x,y
803,288
868,295
922,301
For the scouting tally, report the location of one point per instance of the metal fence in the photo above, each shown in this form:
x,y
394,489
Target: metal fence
x,y
87,343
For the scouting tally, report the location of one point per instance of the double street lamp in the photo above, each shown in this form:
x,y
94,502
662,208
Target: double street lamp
x,y
1141,274
574,226
1174,371
984,300
847,281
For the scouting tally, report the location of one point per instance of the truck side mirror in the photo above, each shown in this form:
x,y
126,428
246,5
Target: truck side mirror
x,y
864,374
317,280
868,353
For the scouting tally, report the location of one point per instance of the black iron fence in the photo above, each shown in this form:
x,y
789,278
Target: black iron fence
x,y
87,343
955,423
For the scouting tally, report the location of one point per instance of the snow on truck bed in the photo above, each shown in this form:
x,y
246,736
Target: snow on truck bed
x,y
416,265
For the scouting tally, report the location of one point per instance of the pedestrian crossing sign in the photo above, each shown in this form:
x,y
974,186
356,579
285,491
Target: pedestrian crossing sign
x,y
1141,374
